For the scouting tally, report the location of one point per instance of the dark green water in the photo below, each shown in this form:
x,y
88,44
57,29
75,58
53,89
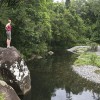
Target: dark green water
x,y
53,79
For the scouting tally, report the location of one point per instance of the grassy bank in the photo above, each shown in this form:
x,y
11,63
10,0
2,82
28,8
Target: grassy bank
x,y
88,58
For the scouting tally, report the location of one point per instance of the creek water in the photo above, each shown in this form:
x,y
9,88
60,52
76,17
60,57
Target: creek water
x,y
53,79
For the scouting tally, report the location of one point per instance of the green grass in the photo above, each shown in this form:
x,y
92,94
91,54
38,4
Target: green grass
x,y
88,58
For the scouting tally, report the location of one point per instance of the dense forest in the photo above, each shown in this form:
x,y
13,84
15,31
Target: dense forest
x,y
42,25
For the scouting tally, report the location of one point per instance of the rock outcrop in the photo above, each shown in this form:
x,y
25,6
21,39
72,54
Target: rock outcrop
x,y
14,71
7,92
79,49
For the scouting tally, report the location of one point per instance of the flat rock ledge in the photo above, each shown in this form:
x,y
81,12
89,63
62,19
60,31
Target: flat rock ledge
x,y
88,72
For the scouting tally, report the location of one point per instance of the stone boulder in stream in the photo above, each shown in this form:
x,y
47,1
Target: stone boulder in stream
x,y
14,71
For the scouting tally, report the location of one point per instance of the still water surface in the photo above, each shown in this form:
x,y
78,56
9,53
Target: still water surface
x,y
53,79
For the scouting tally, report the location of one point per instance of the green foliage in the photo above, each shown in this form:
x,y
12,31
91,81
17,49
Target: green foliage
x,y
83,59
88,10
42,25
88,59
67,27
94,46
93,58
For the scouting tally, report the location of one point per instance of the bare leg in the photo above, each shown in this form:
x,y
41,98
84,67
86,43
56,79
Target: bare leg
x,y
8,42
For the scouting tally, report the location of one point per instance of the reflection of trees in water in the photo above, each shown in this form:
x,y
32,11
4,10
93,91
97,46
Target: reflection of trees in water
x,y
96,96
62,94
68,95
55,72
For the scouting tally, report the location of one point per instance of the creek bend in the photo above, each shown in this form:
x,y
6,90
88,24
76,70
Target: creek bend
x,y
53,79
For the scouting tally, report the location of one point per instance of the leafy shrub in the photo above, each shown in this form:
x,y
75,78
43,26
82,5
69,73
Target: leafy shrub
x,y
94,46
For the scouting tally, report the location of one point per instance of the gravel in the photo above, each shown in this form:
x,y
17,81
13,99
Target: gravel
x,y
88,72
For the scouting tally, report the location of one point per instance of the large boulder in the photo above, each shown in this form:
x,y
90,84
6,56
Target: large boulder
x,y
7,92
14,71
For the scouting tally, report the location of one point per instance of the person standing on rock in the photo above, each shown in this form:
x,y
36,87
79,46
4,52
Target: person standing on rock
x,y
8,33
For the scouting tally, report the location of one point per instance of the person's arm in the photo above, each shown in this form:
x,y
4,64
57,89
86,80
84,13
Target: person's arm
x,y
6,26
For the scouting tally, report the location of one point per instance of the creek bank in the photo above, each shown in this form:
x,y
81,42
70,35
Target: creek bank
x,y
86,71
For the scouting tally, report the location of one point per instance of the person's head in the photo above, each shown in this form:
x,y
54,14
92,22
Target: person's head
x,y
9,20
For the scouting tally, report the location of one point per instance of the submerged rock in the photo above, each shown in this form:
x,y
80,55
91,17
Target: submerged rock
x,y
14,71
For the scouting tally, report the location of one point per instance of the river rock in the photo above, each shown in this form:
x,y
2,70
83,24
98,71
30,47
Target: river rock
x,y
50,52
7,92
14,71
79,49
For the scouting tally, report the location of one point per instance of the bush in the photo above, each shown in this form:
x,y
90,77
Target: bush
x,y
93,46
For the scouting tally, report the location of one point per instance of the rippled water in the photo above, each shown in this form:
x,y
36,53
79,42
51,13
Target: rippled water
x,y
53,79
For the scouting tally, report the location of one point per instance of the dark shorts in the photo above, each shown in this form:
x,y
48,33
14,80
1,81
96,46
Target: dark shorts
x,y
8,35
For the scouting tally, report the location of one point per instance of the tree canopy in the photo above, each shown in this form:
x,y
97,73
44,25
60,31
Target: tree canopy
x,y
41,25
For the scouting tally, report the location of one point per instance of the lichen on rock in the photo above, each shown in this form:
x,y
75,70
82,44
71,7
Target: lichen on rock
x,y
14,70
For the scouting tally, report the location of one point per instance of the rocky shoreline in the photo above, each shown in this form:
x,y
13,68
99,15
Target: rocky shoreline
x,y
88,72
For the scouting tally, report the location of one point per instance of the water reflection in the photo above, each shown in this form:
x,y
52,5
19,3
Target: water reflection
x,y
53,79
61,94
